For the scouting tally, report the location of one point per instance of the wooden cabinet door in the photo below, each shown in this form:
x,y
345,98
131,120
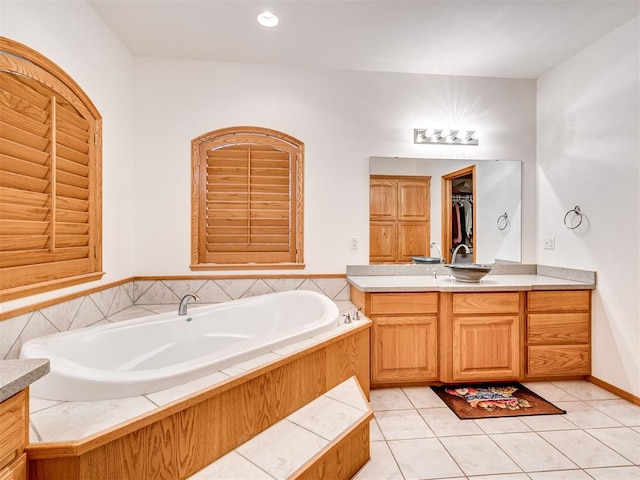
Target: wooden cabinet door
x,y
404,349
413,201
413,240
383,195
382,241
486,348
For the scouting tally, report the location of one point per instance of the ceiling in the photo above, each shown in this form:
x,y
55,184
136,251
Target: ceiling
x,y
494,38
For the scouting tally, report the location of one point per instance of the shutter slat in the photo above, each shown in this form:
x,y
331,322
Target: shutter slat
x,y
72,155
66,178
23,212
65,165
21,107
22,137
72,143
11,196
77,205
14,117
23,152
65,241
33,257
18,227
22,182
23,242
22,167
69,216
11,85
259,247
72,228
72,192
72,130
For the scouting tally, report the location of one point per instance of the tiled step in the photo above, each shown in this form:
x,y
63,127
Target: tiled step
x,y
327,438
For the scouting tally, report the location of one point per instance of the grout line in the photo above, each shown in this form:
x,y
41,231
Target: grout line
x,y
35,430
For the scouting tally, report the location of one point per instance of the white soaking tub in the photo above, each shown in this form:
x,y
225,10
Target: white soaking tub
x,y
153,353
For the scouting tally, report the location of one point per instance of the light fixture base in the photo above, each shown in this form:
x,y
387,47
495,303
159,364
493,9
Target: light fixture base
x,y
445,136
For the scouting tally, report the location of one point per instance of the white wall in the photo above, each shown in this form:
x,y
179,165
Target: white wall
x,y
589,155
74,37
342,117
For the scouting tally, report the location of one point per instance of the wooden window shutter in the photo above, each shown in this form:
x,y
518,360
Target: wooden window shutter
x,y
246,199
50,220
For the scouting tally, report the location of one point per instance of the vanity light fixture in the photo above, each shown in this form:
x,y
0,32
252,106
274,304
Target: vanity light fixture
x,y
445,136
268,19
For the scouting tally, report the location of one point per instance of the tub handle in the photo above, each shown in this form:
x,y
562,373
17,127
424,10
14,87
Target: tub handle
x,y
356,314
347,317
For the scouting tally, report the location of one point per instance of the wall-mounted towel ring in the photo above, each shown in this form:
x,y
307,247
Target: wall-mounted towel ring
x,y
576,211
503,221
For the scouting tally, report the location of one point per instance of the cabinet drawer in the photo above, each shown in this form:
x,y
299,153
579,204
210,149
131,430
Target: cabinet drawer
x,y
16,471
475,303
403,303
13,428
559,301
558,360
560,328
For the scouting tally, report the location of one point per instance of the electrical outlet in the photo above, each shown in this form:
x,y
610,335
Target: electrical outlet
x,y
549,243
354,242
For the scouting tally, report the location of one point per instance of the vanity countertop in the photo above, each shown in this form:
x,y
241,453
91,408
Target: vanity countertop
x,y
16,375
446,283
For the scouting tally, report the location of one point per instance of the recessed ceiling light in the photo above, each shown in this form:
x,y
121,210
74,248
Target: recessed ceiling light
x,y
268,19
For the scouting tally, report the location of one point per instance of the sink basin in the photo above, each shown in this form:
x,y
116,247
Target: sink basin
x,y
427,260
469,272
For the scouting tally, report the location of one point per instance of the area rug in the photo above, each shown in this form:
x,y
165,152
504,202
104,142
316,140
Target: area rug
x,y
494,400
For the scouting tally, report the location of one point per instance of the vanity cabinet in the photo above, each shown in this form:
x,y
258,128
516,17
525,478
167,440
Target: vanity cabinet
x,y
481,336
404,348
14,436
558,333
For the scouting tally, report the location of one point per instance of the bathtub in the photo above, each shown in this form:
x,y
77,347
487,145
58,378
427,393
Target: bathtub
x,y
148,354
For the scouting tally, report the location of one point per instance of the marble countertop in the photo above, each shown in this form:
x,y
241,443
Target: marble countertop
x,y
16,375
446,283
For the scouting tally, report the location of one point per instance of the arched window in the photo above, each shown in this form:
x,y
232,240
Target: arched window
x,y
50,177
247,199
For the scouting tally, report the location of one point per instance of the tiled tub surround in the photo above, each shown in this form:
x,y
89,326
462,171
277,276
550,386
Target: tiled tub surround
x,y
131,437
54,421
141,297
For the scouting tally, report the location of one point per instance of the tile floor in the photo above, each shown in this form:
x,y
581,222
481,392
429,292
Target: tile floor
x,y
415,436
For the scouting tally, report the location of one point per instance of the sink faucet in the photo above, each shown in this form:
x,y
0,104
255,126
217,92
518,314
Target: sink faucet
x,y
182,309
435,245
455,252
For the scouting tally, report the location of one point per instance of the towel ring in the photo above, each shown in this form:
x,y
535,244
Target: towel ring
x,y
576,211
505,221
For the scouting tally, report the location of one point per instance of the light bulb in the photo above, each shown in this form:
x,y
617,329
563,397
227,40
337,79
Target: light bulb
x,y
268,19
462,135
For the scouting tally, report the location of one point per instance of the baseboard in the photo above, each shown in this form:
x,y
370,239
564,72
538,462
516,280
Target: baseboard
x,y
613,389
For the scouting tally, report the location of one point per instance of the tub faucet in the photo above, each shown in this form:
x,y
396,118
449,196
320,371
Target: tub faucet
x,y
435,245
455,252
182,309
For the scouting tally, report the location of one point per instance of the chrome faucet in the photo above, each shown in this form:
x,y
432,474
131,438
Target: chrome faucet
x,y
455,252
182,309
434,244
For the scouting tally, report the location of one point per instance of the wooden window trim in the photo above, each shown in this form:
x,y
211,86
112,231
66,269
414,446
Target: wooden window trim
x,y
20,60
235,136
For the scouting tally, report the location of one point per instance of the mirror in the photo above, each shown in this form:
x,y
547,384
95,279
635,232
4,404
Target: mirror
x,y
497,201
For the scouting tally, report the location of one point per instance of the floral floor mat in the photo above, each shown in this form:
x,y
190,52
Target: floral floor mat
x,y
494,400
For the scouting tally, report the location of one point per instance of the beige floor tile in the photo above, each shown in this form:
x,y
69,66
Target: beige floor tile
x,y
423,458
550,392
502,425
532,453
402,424
584,450
617,473
443,422
563,475
382,465
624,412
585,416
375,434
541,423
625,441
584,390
508,476
423,397
479,455
389,399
